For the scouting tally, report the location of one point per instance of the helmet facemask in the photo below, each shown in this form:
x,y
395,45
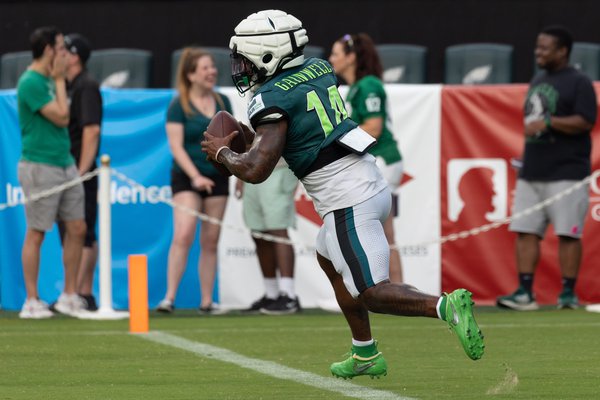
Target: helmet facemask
x,y
244,73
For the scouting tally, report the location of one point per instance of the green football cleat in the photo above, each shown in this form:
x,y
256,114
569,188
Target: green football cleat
x,y
355,365
460,319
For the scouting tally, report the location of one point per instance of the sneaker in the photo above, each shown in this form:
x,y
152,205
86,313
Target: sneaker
x,y
258,304
212,309
460,319
355,365
69,304
35,309
165,306
520,300
568,300
89,302
283,305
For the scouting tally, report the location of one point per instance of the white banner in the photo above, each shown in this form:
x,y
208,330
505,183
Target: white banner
x,y
415,113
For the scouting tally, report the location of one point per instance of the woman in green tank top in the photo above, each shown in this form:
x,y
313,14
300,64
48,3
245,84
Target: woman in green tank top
x,y
354,58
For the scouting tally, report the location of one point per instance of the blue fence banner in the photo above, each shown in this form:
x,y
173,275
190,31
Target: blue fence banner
x,y
133,135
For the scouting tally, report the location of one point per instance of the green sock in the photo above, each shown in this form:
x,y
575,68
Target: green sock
x,y
365,351
442,309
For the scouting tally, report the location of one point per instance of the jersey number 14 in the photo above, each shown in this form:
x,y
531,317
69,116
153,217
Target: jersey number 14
x,y
314,103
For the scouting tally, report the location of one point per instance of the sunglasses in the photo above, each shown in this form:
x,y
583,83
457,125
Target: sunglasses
x,y
347,38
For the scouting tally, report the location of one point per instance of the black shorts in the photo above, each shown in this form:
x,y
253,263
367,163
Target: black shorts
x,y
90,188
180,182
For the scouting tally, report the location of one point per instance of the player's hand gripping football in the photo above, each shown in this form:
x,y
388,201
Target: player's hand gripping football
x,y
211,144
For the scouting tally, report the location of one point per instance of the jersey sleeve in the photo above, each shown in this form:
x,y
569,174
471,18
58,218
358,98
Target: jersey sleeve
x,y
265,109
91,105
370,101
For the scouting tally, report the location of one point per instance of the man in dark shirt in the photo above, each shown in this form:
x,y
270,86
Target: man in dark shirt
x,y
84,131
560,111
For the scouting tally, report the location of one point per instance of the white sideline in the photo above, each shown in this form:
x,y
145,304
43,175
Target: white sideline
x,y
271,368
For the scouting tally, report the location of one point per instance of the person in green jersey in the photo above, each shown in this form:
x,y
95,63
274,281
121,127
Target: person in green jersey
x,y
355,59
45,163
195,182
297,112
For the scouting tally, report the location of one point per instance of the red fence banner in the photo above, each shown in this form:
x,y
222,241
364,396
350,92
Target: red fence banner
x,y
481,135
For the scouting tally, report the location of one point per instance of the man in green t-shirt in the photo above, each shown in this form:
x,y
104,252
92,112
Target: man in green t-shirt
x,y
46,162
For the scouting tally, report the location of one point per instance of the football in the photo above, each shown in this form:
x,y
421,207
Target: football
x,y
221,125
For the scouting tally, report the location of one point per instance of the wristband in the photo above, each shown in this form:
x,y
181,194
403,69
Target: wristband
x,y
219,151
548,122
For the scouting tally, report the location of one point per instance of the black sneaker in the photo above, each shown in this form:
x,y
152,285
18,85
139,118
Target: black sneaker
x,y
258,304
283,305
89,302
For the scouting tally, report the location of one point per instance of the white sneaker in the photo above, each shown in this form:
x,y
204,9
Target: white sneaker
x,y
69,304
35,309
165,306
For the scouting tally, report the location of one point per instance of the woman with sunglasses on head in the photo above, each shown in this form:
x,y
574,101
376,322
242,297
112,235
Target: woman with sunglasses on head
x,y
354,58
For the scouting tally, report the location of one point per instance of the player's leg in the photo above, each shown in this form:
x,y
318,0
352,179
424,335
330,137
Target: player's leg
x,y
354,310
365,359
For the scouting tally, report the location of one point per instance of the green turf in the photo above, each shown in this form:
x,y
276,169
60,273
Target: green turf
x,y
537,355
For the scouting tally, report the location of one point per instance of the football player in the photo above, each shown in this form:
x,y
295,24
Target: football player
x,y
298,113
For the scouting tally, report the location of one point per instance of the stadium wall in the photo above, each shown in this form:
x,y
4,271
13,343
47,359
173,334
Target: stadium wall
x,y
162,26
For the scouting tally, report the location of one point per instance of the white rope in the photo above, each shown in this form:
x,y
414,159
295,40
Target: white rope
x,y
52,191
203,217
528,211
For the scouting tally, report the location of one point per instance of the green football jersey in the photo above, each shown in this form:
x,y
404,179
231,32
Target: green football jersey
x,y
307,97
368,99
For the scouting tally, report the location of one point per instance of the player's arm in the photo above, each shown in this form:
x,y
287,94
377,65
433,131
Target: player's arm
x,y
89,147
256,164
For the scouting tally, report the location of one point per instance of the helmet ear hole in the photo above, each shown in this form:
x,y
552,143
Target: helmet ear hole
x,y
267,58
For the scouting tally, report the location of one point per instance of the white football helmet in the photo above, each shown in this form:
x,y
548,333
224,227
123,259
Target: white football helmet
x,y
265,43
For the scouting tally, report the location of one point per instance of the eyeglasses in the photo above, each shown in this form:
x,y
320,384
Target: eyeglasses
x,y
347,38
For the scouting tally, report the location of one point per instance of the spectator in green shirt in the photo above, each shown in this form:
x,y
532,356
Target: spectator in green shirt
x,y
45,163
354,58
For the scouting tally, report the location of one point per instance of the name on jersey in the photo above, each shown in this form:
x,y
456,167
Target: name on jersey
x,y
311,71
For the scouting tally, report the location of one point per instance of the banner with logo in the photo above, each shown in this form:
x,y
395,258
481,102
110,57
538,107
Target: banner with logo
x,y
133,135
482,136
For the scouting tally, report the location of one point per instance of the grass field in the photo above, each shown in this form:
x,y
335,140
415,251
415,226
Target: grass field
x,y
538,355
